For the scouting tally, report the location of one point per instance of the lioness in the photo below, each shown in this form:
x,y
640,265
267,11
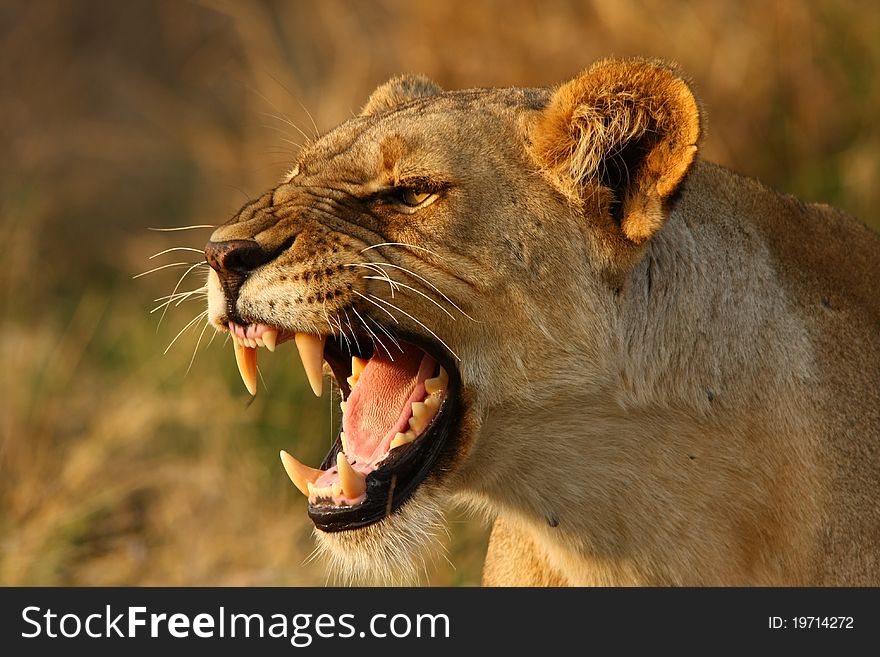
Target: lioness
x,y
645,368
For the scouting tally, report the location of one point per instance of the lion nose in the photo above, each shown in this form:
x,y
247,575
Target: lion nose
x,y
233,260
235,256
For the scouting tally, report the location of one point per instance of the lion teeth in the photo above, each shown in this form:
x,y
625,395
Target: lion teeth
x,y
270,339
302,476
438,383
343,441
357,366
353,482
311,352
432,402
402,439
246,359
420,411
421,415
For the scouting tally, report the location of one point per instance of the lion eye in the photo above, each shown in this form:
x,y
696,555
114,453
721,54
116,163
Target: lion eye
x,y
413,198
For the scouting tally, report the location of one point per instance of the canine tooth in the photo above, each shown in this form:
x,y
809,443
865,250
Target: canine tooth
x,y
302,476
353,483
402,439
438,383
343,441
246,359
357,366
311,352
311,489
270,338
342,406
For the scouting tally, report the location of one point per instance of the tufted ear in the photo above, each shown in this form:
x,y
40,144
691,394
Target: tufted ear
x,y
398,91
622,135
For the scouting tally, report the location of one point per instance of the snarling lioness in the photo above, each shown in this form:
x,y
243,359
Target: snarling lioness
x,y
542,303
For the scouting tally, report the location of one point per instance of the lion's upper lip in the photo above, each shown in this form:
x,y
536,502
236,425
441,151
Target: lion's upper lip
x,y
395,396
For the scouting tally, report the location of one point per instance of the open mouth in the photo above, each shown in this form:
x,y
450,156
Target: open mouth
x,y
399,412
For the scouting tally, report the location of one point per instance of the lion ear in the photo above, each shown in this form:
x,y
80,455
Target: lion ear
x,y
624,133
399,90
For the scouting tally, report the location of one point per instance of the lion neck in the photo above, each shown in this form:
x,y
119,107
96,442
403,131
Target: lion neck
x,y
589,468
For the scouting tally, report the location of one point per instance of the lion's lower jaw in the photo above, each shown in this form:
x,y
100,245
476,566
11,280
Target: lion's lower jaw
x,y
393,551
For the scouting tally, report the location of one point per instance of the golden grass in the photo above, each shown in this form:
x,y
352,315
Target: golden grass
x,y
117,468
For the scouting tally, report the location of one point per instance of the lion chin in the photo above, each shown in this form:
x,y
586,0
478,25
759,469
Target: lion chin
x,y
394,551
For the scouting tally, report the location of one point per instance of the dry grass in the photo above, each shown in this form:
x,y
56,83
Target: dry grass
x,y
117,468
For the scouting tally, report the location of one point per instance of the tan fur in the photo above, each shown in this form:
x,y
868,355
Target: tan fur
x,y
670,373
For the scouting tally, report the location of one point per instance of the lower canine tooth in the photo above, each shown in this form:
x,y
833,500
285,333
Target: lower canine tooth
x,y
246,359
302,476
438,383
311,352
357,366
353,483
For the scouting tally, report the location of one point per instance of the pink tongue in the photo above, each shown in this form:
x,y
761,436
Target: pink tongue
x,y
376,402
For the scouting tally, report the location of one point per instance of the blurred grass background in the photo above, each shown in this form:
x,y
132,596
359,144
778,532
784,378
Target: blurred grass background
x,y
118,467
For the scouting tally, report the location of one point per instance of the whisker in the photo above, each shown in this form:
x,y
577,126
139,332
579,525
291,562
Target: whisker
x,y
285,120
370,331
154,269
281,132
342,333
176,248
204,313
351,328
327,318
388,333
199,294
417,322
373,267
180,298
404,285
428,283
260,372
315,552
411,246
196,350
174,291
180,294
396,321
169,230
304,108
